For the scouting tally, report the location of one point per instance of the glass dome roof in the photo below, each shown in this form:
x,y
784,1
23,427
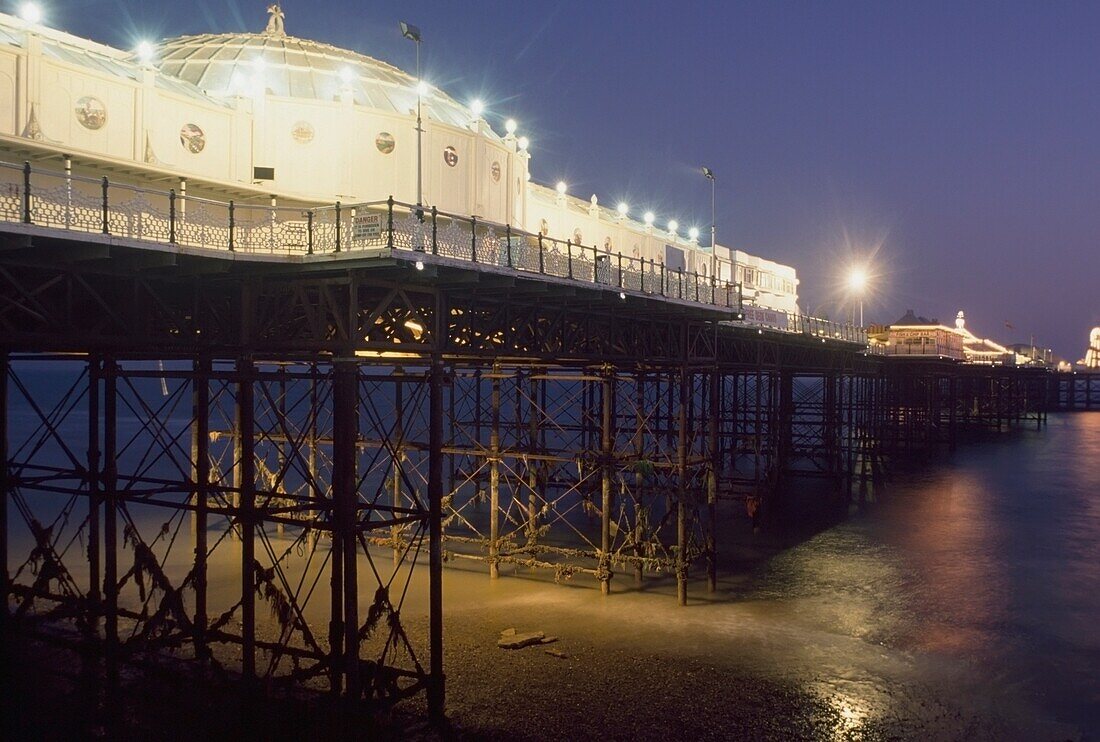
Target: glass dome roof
x,y
233,64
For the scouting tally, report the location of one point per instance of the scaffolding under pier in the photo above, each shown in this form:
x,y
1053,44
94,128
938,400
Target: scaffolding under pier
x,y
324,430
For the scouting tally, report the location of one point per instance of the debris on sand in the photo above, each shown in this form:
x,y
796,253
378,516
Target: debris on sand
x,y
520,640
557,653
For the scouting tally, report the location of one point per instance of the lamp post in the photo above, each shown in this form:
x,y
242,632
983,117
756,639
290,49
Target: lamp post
x,y
709,175
412,33
857,283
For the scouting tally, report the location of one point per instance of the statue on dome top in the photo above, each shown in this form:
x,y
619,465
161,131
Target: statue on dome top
x,y
275,22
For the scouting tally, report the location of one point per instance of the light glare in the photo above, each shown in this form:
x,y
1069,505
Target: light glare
x,y
145,51
477,107
623,208
510,126
693,233
673,225
648,217
857,279
30,12
524,142
562,187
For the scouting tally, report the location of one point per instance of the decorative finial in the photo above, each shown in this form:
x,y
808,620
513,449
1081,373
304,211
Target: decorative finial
x,y
275,22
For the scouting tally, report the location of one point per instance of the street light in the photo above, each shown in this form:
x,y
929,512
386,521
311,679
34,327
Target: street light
x,y
412,33
857,283
709,175
30,13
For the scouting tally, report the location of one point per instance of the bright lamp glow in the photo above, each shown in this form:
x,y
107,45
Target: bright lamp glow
x,y
623,208
510,126
477,107
524,142
673,225
693,233
562,187
648,217
857,279
422,88
30,12
145,52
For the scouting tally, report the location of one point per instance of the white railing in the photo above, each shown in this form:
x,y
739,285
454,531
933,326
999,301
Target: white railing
x,y
79,203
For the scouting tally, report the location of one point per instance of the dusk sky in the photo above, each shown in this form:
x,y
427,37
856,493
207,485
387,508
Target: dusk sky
x,y
956,142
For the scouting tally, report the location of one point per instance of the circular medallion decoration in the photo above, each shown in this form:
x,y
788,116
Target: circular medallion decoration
x,y
450,156
495,170
192,138
385,143
91,113
302,131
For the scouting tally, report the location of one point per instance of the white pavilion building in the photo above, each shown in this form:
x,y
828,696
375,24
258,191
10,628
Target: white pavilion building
x,y
265,116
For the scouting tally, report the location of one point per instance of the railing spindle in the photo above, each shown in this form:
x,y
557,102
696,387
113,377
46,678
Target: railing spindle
x,y
435,227
309,232
27,192
106,227
389,221
473,239
172,216
232,225
338,227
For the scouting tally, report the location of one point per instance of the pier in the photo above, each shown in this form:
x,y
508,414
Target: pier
x,y
294,392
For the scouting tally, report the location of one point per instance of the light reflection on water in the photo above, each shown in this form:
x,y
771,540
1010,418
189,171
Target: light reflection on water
x,y
991,560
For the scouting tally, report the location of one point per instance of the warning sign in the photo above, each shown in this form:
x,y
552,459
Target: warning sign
x,y
366,226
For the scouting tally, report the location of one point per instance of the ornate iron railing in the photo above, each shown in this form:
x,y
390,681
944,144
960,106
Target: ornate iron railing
x,y
63,200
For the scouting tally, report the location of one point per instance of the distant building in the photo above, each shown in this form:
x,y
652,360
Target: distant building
x,y
1092,353
982,350
913,335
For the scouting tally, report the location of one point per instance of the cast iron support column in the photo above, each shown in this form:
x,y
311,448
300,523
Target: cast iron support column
x,y
437,683
398,453
681,492
494,478
95,607
246,513
5,486
607,390
200,458
712,480
532,464
345,433
110,519
639,476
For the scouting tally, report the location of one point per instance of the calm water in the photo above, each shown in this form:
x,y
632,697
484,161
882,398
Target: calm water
x,y
990,559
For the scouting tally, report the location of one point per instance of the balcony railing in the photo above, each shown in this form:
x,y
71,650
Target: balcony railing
x,y
60,200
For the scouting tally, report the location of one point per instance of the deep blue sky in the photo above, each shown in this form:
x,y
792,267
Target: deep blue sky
x,y
957,140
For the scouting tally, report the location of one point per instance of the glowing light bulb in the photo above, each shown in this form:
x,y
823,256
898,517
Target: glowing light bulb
x,y
420,265
648,217
693,233
673,225
477,108
622,208
524,142
562,188
857,279
510,126
30,12
145,52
